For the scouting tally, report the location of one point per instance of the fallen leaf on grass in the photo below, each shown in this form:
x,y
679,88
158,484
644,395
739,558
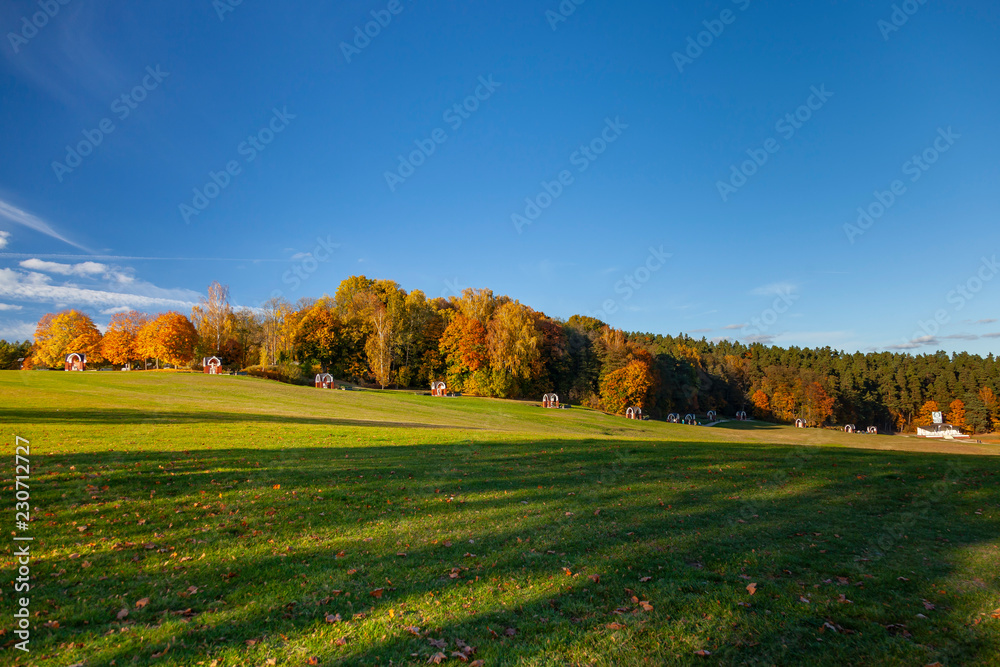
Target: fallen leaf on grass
x,y
928,605
141,603
437,658
271,661
123,613
341,554
595,578
751,588
703,654
476,663
340,641
377,593
645,579
437,643
333,618
413,630
614,626
646,606
312,661
843,599
510,632
996,613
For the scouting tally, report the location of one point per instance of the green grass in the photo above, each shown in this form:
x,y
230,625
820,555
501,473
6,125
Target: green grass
x,y
533,535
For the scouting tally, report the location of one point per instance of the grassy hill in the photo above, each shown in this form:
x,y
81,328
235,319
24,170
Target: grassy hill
x,y
186,519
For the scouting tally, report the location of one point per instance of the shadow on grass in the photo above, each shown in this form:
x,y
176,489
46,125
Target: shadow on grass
x,y
112,416
697,519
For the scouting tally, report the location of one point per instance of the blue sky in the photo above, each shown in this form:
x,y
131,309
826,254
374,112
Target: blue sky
x,y
672,167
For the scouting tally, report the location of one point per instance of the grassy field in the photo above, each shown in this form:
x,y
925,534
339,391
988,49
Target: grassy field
x,y
223,521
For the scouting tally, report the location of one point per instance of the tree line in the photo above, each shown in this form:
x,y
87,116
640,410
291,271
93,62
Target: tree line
x,y
373,332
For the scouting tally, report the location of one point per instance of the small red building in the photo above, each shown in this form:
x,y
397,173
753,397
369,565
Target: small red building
x,y
550,401
742,416
439,389
211,365
76,361
633,413
325,381
800,423
850,428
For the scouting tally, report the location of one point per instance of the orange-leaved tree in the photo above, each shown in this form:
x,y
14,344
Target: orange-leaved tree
x,y
120,342
170,338
761,404
926,416
956,416
627,387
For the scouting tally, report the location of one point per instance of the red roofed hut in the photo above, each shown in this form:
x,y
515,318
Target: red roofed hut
x,y
550,401
439,389
211,365
325,381
633,413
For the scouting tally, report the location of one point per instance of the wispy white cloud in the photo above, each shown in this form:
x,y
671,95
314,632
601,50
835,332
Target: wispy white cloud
x,y
4,239
734,327
81,269
38,287
17,330
8,306
16,215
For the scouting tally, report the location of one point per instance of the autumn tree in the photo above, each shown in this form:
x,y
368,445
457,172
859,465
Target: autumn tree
x,y
991,405
64,333
170,338
512,345
276,330
380,343
627,387
926,415
761,404
956,415
212,318
120,343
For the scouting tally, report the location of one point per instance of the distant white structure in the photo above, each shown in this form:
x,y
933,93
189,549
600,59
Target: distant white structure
x,y
873,430
742,416
943,431
850,428
712,415
633,413
690,420
800,423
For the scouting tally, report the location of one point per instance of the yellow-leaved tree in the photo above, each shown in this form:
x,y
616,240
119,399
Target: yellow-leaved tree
x,y
65,333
